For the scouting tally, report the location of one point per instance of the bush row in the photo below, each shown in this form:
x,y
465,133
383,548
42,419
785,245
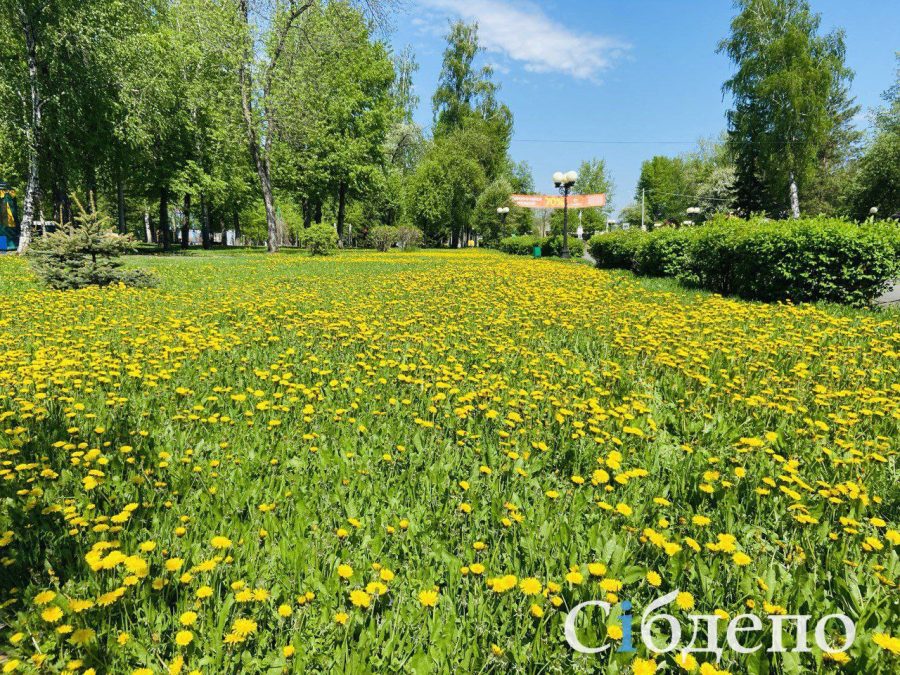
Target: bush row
x,y
798,260
550,246
406,237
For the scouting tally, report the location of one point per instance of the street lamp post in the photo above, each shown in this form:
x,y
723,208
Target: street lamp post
x,y
564,182
502,211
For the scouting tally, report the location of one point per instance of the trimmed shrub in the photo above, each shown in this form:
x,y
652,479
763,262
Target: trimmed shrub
x,y
615,250
799,260
319,239
816,259
550,246
662,253
553,246
382,237
520,245
709,258
409,237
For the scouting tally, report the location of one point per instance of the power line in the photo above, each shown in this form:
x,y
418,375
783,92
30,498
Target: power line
x,y
567,140
604,142
680,194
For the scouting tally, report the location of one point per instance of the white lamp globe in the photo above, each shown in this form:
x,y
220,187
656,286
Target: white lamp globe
x,y
571,177
558,177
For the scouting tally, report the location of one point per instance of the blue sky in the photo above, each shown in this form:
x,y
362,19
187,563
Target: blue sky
x,y
624,79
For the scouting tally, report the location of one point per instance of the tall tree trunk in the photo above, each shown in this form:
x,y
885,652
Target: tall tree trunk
x,y
33,133
307,213
91,179
120,200
257,154
795,198
186,221
204,221
148,230
164,218
318,216
62,203
342,210
236,226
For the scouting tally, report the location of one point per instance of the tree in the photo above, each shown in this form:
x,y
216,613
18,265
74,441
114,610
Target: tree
x,y
715,191
630,216
28,15
520,177
62,61
257,72
486,221
273,25
466,101
85,253
791,116
402,90
667,189
711,177
335,108
874,181
441,194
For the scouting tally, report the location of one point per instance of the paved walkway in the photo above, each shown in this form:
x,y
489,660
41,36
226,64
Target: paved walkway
x,y
891,298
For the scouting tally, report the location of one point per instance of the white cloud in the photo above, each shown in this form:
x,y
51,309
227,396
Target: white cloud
x,y
523,32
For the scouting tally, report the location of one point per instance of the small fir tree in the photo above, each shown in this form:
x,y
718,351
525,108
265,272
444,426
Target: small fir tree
x,y
85,253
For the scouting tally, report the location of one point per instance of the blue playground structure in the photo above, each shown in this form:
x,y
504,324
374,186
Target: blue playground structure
x,y
9,218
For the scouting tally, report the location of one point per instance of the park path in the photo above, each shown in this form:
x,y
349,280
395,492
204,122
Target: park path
x,y
892,297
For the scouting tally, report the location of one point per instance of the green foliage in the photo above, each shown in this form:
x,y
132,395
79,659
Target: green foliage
x,y
409,238
875,179
485,220
615,250
662,253
792,114
520,245
553,246
667,188
594,178
442,192
520,177
465,104
464,91
319,239
336,106
382,237
798,260
550,246
85,253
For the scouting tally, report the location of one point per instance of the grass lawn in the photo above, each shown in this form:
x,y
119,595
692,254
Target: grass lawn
x,y
414,462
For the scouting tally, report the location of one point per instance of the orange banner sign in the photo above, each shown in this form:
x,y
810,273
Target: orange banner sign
x,y
556,201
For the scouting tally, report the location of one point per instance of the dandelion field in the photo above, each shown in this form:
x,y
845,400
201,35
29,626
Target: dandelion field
x,y
418,462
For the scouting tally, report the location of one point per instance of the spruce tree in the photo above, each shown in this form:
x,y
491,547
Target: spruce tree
x,y
86,252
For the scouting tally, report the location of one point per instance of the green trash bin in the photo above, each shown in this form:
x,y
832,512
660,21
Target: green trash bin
x,y
537,251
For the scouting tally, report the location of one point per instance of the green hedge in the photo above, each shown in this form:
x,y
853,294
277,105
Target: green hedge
x,y
520,245
550,246
616,250
798,260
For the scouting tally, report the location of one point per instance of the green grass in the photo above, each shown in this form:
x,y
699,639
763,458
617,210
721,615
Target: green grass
x,y
429,413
